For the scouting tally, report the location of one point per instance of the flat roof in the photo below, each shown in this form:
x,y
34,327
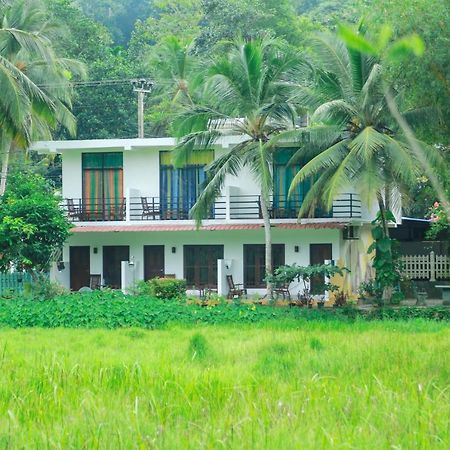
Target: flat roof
x,y
122,144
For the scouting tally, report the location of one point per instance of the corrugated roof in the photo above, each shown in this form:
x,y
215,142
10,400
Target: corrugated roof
x,y
313,226
219,227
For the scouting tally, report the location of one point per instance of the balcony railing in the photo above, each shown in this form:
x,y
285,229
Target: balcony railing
x,y
238,207
152,208
95,210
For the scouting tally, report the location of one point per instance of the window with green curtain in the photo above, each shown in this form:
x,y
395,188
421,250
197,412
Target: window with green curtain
x,y
180,187
283,174
103,185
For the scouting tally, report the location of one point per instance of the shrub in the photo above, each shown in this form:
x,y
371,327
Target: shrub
x,y
139,288
199,347
44,289
167,288
340,299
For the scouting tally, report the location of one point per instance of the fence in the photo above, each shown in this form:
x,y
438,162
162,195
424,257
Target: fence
x,y
430,267
14,281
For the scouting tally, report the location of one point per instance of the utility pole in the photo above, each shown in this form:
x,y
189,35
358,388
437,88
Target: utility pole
x,y
142,86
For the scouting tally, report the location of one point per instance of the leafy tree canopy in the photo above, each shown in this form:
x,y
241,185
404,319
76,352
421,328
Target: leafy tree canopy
x,y
32,225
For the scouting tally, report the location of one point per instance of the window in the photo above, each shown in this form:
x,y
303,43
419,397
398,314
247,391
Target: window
x,y
180,188
200,265
255,263
285,206
103,185
283,174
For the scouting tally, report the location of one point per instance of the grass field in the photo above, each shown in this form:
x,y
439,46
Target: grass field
x,y
323,385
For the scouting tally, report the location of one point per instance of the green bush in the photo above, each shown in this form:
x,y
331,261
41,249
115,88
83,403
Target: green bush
x,y
167,288
112,309
44,289
161,288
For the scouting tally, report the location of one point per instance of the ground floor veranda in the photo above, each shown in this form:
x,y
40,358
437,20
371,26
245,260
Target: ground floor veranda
x,y
205,257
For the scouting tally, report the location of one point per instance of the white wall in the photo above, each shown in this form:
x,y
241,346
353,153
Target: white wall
x,y
141,174
233,242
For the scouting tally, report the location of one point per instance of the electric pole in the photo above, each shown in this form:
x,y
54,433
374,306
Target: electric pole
x,y
142,86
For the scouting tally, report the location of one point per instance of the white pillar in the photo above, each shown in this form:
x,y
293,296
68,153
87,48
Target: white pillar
x,y
432,266
223,269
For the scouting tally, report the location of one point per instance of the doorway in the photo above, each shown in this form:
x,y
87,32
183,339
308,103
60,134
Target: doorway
x,y
80,267
113,255
153,261
318,254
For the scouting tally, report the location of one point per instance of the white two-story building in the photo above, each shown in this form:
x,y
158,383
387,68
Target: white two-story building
x,y
130,210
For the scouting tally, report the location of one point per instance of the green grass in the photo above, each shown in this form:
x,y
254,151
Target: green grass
x,y
323,385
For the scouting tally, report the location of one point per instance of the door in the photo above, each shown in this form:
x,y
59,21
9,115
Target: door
x,y
153,261
113,255
255,263
200,265
318,253
80,267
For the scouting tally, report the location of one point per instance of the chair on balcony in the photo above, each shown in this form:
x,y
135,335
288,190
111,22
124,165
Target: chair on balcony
x,y
72,211
150,210
234,290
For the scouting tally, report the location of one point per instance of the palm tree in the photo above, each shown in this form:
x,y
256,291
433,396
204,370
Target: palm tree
x,y
178,75
36,92
244,93
353,138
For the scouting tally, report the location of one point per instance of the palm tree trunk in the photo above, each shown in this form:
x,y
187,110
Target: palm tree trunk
x,y
387,290
268,243
5,148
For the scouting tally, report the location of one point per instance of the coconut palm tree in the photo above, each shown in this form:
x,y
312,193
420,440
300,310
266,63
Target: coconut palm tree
x,y
353,138
36,92
244,93
177,72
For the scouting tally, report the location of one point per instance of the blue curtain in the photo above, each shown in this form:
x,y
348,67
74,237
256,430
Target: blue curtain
x,y
179,189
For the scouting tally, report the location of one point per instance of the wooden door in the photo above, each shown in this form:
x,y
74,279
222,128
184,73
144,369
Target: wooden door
x,y
113,255
318,253
80,267
255,263
153,261
200,265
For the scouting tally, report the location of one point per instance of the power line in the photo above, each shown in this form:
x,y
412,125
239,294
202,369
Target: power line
x,y
91,83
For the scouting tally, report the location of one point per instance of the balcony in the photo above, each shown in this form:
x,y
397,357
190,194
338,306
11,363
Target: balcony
x,y
231,207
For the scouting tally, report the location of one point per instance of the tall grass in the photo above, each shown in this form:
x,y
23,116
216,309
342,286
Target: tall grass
x,y
329,385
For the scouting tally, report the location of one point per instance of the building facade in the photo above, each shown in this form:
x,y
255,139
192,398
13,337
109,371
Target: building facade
x,y
130,209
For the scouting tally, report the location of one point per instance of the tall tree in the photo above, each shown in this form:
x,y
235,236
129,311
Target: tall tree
x,y
103,110
35,82
426,83
243,94
177,74
353,139
225,19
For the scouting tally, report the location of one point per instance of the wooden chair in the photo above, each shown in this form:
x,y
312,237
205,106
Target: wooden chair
x,y
72,211
150,210
283,290
234,290
95,281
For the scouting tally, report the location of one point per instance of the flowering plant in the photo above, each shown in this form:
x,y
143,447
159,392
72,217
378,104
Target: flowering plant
x,y
439,221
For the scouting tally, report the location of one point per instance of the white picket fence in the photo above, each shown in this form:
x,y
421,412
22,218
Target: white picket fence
x,y
430,267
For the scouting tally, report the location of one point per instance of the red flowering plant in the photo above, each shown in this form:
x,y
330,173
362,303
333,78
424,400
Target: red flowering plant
x,y
439,221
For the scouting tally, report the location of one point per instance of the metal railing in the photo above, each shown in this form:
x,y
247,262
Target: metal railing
x,y
240,207
95,210
152,208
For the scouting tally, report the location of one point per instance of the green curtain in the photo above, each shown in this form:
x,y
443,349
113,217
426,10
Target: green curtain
x,y
283,176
